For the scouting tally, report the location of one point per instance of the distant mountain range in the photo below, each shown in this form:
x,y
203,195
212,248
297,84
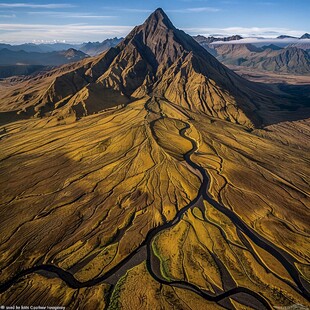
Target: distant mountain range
x,y
8,57
294,58
96,48
202,40
286,37
39,48
288,60
206,41
25,63
28,58
304,36
283,54
90,48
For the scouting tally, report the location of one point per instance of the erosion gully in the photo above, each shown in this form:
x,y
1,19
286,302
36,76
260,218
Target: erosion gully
x,y
145,252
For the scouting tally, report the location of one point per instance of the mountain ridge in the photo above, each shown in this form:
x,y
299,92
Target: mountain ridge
x,y
292,59
96,48
305,36
207,40
55,58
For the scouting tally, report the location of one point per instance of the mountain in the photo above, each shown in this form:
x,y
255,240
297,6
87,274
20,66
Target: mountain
x,y
302,45
90,48
259,56
288,60
153,177
204,42
137,67
27,47
272,47
235,54
8,57
292,59
57,47
286,37
95,48
207,40
305,36
15,63
72,54
39,48
281,41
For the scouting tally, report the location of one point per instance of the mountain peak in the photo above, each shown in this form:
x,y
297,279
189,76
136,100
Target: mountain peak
x,y
305,36
159,11
159,41
159,17
286,37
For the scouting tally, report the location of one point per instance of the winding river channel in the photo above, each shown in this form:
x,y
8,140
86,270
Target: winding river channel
x,y
145,252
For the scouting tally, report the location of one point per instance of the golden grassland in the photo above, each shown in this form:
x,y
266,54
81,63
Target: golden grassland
x,y
264,182
40,290
83,196
200,243
138,290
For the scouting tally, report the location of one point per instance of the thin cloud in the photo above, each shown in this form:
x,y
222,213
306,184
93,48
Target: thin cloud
x,y
70,14
259,40
83,16
7,16
245,32
205,9
17,33
129,10
196,10
34,6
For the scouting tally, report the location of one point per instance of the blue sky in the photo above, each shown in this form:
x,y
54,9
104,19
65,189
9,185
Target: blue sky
x,y
96,20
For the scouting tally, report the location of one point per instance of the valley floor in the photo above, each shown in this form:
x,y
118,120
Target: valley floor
x,y
271,77
152,206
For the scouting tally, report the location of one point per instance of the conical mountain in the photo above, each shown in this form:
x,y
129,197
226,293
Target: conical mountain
x,y
305,36
155,59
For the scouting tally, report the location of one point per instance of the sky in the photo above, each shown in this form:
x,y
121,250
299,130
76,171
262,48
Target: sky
x,y
76,21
